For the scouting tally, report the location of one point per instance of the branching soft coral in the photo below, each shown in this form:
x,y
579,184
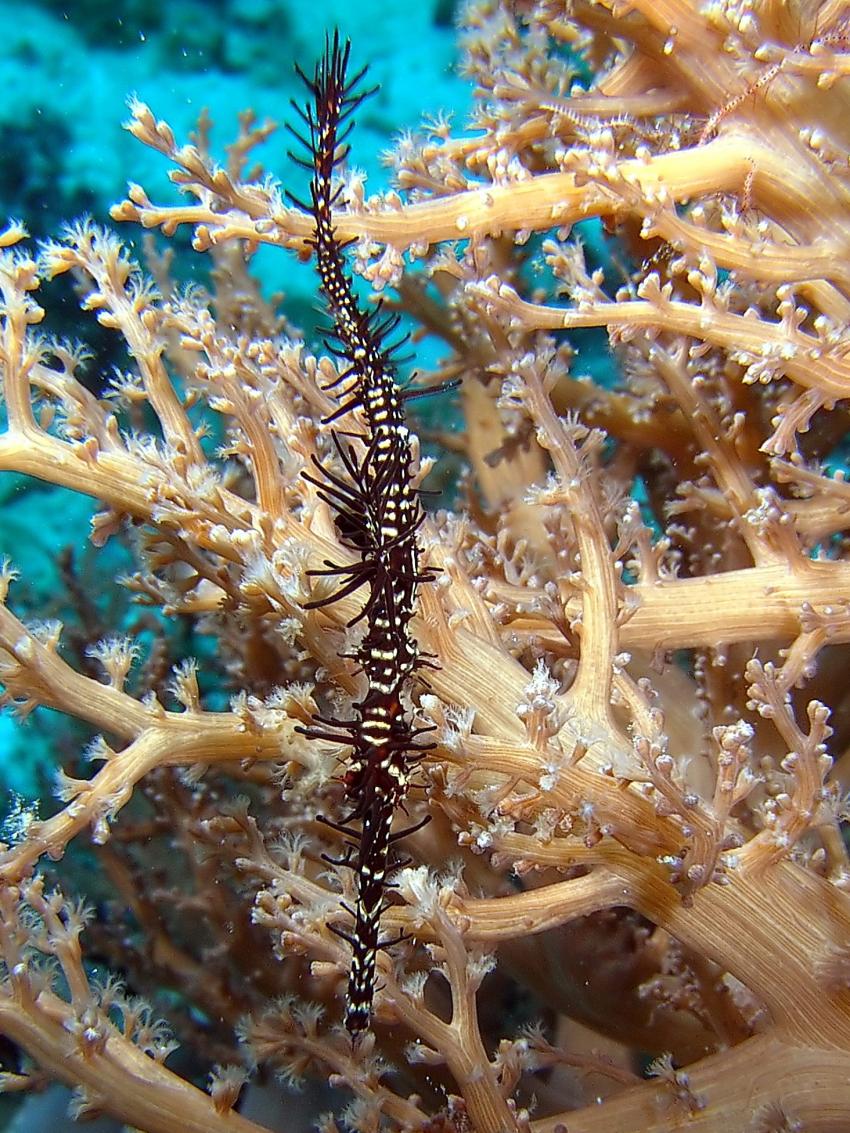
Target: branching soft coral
x,y
640,616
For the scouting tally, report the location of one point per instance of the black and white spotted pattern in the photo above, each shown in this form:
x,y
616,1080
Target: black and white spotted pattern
x,y
378,513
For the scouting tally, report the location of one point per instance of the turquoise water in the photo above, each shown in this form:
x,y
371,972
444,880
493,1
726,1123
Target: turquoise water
x,y
68,69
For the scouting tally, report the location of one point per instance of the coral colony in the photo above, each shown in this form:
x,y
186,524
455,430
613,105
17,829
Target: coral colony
x,y
608,663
